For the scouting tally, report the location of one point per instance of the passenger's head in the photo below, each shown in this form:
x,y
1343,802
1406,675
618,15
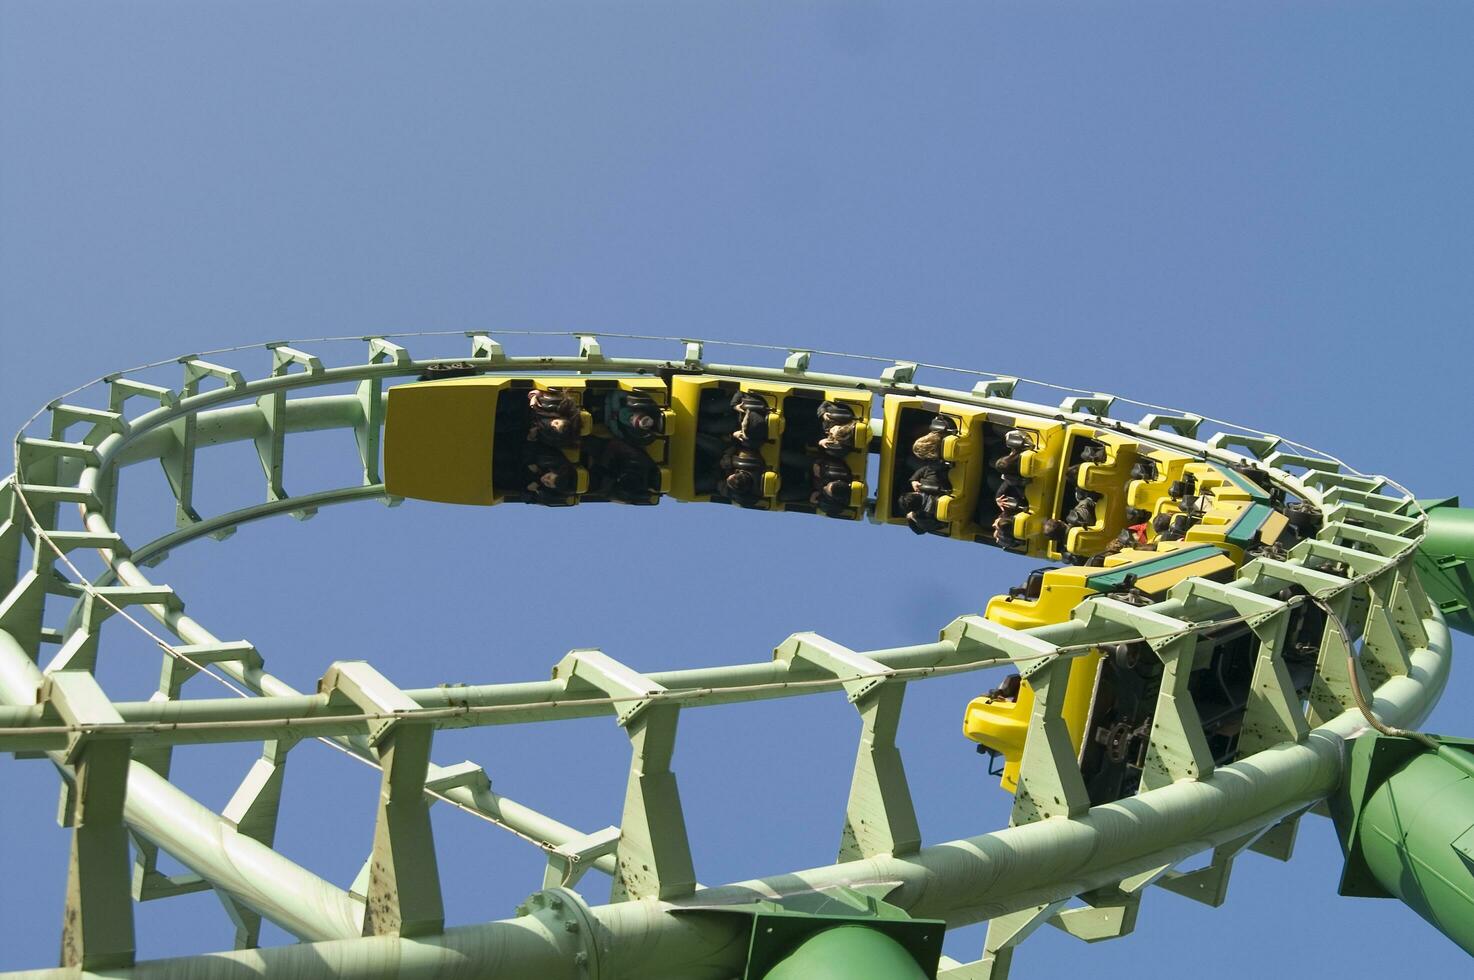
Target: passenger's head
x,y
553,480
1055,530
837,490
1135,515
643,421
928,446
910,501
560,426
631,481
741,483
1161,522
1016,440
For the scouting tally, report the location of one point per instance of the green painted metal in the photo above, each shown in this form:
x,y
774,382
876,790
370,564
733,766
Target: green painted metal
x,y
1019,878
1446,560
851,952
1405,816
1107,581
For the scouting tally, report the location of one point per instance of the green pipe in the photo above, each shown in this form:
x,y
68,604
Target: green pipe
x,y
1450,528
852,952
1406,820
1445,560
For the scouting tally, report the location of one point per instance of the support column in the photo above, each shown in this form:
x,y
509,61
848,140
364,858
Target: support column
x,y
404,879
97,928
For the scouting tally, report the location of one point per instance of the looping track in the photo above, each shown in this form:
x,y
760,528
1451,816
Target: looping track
x,y
115,756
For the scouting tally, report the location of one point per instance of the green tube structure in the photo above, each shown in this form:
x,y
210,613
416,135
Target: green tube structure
x,y
1406,821
850,952
1445,560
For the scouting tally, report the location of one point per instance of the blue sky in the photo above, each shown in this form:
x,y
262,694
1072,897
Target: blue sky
x,y
1255,211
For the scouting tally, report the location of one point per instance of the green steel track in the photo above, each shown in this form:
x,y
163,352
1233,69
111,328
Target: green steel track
x,y
1082,869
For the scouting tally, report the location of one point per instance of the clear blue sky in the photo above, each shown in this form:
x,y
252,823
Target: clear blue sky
x,y
1257,211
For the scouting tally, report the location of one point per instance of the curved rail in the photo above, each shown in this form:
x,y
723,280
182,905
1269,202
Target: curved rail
x,y
1060,849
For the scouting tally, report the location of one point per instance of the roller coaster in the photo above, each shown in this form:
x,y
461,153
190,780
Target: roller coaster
x,y
1231,630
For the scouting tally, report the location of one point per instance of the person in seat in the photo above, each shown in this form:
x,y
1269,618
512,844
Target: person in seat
x,y
927,447
1171,527
1138,522
741,476
1056,533
1011,498
1126,539
1093,452
554,417
551,478
1018,443
830,479
449,369
1003,535
931,478
1008,690
1083,513
628,473
921,512
841,429
752,419
633,417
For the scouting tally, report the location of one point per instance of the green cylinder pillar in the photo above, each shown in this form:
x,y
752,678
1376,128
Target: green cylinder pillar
x,y
850,952
1406,821
1445,560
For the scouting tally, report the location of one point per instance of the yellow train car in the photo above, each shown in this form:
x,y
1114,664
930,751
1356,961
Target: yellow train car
x,y
798,443
465,440
439,437
1100,464
1052,594
1227,509
1154,473
1040,468
704,426
1000,724
961,456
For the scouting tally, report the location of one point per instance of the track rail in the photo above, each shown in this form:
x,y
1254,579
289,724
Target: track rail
x,y
115,756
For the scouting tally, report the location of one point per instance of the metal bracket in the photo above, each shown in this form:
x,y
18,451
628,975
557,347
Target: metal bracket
x,y
971,634
1097,405
79,650
1177,748
1208,885
1258,446
880,817
604,673
1183,425
1273,715
1049,781
371,691
1330,690
1326,479
589,349
283,357
568,862
900,373
483,347
797,362
859,675
1108,914
1349,516
1001,386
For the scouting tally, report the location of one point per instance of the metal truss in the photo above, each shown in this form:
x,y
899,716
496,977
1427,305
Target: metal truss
x,y
1062,862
